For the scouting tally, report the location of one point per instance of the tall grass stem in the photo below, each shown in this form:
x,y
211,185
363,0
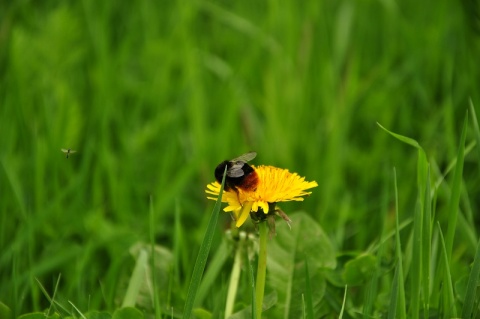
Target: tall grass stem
x,y
261,269
234,279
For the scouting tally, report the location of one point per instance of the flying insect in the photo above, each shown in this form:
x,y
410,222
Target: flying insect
x,y
68,151
240,175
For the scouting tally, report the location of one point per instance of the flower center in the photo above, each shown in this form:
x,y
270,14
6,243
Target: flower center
x,y
260,215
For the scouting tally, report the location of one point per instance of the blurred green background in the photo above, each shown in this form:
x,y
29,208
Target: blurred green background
x,y
154,94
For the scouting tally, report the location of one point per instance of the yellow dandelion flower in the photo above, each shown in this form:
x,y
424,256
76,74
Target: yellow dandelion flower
x,y
274,185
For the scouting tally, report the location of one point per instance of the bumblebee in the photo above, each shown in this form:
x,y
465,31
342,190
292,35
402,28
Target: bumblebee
x,y
240,175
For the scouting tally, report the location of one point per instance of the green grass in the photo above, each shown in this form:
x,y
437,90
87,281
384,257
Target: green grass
x,y
153,95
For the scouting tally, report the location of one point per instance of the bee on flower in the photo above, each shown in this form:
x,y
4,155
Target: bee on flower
x,y
255,190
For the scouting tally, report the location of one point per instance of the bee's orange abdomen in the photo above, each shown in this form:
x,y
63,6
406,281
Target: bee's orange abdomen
x,y
249,182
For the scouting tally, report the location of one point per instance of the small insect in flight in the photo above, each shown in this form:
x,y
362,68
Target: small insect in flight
x,y
240,175
68,151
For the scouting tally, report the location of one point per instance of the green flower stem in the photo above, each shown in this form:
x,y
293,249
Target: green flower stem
x,y
261,269
234,279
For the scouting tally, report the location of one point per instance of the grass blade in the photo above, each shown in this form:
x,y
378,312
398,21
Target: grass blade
x,y
252,284
222,254
136,280
203,254
308,292
476,129
455,196
392,310
449,299
78,310
400,290
422,159
50,299
402,138
426,242
416,270
340,316
234,277
152,251
469,301
261,268
371,292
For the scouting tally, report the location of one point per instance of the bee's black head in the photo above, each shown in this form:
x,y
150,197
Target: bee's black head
x,y
219,171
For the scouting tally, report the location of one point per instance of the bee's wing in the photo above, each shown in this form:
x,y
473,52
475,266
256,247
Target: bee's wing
x,y
245,157
64,150
72,151
236,170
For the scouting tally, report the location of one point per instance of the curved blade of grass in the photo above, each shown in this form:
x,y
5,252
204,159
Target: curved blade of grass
x,y
418,231
203,254
422,158
456,188
402,138
340,316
